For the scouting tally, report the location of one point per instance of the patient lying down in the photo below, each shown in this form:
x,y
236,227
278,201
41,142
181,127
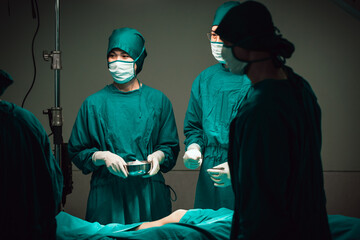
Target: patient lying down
x,y
181,224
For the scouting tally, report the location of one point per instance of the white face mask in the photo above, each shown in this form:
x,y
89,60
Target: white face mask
x,y
236,66
122,71
216,48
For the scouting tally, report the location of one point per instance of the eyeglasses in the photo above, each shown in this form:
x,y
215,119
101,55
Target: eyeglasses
x,y
212,36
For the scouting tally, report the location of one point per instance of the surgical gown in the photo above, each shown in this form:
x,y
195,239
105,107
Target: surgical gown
x,y
31,180
275,163
133,125
215,98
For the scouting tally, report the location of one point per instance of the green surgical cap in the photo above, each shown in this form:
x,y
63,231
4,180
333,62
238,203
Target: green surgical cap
x,y
222,10
130,41
5,81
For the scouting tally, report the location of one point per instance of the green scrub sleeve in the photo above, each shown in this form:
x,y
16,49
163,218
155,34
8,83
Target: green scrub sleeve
x,y
81,144
168,139
193,129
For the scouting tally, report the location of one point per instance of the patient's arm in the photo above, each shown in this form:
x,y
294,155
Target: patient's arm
x,y
172,218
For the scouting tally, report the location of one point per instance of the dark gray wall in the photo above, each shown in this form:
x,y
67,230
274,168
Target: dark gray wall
x,y
327,47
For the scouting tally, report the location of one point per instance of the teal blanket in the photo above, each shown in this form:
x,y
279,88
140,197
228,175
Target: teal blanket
x,y
204,224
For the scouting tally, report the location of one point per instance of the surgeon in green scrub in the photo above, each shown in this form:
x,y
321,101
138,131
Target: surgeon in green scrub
x,y
275,140
215,98
125,121
31,180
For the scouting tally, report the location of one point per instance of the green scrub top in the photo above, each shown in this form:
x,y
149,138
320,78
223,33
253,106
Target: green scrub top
x,y
31,179
215,98
275,163
133,125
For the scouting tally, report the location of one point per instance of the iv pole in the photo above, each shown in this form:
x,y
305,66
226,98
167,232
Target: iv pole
x,y
55,113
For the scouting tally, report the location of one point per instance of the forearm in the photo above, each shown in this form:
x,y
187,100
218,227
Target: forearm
x,y
171,153
193,135
193,123
174,217
83,159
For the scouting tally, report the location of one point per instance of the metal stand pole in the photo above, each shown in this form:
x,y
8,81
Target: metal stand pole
x,y
58,132
55,113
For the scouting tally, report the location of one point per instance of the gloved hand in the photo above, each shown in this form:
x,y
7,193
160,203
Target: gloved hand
x,y
156,158
192,157
221,175
114,163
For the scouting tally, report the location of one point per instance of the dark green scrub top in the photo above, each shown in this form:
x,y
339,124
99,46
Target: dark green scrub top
x,y
31,179
275,163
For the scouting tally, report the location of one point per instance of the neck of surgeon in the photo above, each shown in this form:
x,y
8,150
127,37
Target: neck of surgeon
x,y
258,71
132,85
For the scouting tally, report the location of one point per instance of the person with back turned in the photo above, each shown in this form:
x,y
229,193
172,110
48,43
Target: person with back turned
x,y
275,139
30,178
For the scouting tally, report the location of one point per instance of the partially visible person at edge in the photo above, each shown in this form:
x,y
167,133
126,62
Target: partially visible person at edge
x,y
125,121
31,180
275,139
215,98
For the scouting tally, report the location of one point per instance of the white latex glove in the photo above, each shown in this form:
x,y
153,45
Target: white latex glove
x,y
192,157
221,175
156,158
114,163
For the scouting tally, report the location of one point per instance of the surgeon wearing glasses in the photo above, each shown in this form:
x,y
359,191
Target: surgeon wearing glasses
x,y
125,121
216,95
